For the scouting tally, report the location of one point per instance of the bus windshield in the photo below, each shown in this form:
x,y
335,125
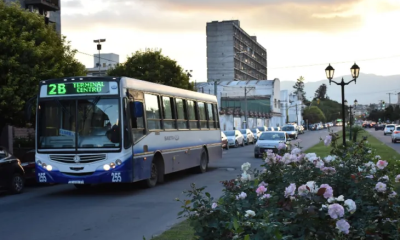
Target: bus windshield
x,y
83,123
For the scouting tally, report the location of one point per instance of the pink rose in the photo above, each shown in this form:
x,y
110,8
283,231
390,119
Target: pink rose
x,y
381,164
261,190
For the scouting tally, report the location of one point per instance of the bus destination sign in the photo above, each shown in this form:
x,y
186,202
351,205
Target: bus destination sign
x,y
78,88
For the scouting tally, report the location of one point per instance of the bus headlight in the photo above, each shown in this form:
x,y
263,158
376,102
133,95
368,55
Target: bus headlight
x,y
112,165
106,167
49,168
118,162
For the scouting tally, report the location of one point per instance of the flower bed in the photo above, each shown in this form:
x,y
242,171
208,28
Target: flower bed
x,y
347,195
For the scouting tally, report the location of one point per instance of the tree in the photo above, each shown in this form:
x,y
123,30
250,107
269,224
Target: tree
x,y
151,65
299,90
313,114
30,51
321,92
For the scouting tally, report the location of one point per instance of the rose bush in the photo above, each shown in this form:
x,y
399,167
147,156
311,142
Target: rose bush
x,y
347,195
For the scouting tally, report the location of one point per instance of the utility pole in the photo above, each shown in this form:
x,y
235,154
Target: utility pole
x,y
390,97
245,103
99,41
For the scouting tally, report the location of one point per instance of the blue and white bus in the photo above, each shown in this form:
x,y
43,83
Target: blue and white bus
x,y
92,130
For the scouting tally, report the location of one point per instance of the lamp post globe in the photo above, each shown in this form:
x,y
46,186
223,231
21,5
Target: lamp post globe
x,y
329,71
345,102
355,71
355,102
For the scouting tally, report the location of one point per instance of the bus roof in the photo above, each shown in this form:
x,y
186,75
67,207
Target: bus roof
x,y
140,85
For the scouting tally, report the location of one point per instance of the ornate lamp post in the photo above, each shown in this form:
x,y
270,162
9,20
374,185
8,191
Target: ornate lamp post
x,y
355,71
99,41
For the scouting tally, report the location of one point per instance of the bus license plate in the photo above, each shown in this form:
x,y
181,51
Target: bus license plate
x,y
76,182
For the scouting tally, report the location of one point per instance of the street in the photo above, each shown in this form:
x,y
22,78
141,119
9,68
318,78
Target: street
x,y
124,211
385,139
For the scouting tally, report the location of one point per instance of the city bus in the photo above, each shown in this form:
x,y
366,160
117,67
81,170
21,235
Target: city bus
x,y
92,130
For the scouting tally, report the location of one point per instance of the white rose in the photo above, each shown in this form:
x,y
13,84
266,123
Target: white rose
x,y
246,166
350,205
250,213
340,198
312,186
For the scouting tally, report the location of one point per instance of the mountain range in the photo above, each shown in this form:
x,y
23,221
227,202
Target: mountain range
x,y
369,88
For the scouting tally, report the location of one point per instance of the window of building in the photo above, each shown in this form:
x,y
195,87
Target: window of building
x,y
104,64
191,109
168,113
152,112
181,112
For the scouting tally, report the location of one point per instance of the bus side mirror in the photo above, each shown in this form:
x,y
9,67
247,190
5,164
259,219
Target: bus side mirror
x,y
28,108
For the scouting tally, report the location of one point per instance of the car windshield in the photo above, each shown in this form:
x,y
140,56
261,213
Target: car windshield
x,y
272,136
230,133
243,131
254,130
84,123
390,126
398,128
288,128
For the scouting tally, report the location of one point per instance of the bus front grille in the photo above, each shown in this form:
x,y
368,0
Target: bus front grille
x,y
82,158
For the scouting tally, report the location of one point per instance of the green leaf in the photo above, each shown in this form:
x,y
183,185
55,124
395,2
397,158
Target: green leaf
x,y
235,224
247,237
208,194
187,202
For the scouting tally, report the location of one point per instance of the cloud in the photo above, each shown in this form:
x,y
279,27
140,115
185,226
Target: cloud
x,y
192,15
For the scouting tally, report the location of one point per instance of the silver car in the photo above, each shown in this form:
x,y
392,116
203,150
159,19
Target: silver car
x,y
291,131
269,140
396,134
389,129
235,138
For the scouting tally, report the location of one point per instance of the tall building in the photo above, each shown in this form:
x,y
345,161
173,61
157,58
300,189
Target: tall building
x,y
102,64
49,9
232,54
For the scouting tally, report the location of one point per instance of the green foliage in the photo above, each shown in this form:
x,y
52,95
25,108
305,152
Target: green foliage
x,y
313,114
321,92
151,65
390,113
299,90
332,110
30,51
288,201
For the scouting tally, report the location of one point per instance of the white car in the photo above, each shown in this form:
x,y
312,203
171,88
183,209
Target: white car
x,y
269,140
235,138
248,136
291,131
389,129
396,134
256,133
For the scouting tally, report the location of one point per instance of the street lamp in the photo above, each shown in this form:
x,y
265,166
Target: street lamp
x,y
350,113
355,71
98,41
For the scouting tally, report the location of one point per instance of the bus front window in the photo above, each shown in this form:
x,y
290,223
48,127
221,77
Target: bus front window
x,y
88,123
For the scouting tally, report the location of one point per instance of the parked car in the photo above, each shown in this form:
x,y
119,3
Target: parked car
x,y
248,136
291,131
235,138
12,175
256,133
379,127
224,141
388,129
300,129
269,140
262,129
396,134
271,129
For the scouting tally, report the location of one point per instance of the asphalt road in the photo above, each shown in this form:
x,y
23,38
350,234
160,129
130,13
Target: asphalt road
x,y
121,212
385,139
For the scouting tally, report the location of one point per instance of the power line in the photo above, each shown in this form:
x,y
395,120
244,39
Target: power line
x,y
319,64
96,57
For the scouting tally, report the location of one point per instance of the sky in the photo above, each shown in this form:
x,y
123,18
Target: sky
x,y
301,36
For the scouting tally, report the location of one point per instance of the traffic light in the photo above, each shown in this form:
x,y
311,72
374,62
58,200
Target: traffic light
x,y
383,103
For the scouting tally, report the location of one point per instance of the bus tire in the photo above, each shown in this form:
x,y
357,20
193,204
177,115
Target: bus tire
x,y
157,173
202,168
82,186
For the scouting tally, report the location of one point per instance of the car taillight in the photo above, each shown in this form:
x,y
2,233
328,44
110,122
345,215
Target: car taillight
x,y
396,132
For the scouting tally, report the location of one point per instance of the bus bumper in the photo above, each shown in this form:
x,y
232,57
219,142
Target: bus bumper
x,y
119,174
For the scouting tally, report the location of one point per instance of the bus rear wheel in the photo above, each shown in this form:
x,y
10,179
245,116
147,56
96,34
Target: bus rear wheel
x,y
203,162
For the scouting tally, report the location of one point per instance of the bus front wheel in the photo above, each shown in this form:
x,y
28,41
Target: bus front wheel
x,y
156,175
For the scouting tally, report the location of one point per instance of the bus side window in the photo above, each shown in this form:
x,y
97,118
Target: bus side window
x,y
137,120
216,123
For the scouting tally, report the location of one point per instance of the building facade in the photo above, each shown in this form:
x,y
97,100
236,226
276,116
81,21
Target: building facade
x,y
102,64
292,108
49,9
234,54
260,99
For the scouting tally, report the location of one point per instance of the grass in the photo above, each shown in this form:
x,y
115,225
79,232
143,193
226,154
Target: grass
x,y
183,230
383,150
